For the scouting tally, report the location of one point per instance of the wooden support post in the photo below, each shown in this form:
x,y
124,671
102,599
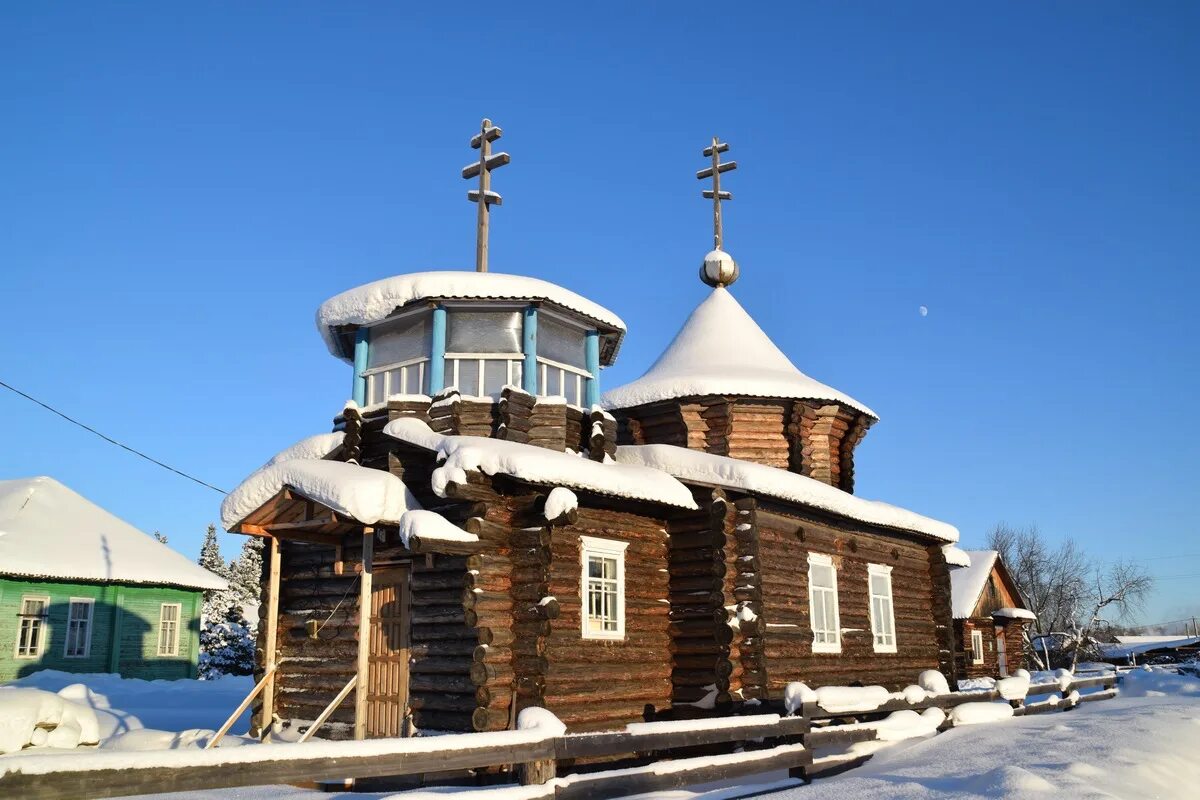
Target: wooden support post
x,y
364,634
270,639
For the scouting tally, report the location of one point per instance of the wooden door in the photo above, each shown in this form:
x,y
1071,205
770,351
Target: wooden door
x,y
1001,653
387,674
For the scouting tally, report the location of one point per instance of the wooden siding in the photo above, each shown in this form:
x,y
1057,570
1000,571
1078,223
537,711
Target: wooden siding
x,y
124,635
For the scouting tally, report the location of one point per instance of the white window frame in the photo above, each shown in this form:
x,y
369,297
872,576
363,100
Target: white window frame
x,y
976,646
43,626
383,374
174,649
602,548
87,622
835,646
877,632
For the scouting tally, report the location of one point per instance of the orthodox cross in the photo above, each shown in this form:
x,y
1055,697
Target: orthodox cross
x,y
484,197
715,194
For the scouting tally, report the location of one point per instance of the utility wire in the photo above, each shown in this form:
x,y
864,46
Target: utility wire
x,y
111,440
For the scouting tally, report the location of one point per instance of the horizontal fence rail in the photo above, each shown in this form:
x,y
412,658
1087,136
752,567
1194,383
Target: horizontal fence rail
x,y
771,742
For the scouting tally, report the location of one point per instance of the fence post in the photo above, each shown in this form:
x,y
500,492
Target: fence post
x,y
802,772
537,772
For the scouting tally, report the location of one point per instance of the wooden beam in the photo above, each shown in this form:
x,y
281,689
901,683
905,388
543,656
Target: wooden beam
x,y
237,712
270,637
363,666
329,709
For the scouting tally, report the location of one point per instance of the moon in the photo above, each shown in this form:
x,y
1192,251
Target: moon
x,y
924,311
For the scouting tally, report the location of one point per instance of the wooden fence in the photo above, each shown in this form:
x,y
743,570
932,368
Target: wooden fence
x,y
745,745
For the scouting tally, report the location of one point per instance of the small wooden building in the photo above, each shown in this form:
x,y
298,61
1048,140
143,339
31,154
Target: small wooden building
x,y
84,591
989,617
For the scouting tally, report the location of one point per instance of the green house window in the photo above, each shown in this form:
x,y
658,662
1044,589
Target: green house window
x,y
79,628
168,629
33,626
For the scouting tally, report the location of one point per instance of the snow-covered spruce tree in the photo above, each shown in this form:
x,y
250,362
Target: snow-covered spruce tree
x,y
246,573
226,641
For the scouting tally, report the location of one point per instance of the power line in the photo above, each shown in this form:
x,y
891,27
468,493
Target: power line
x,y
111,440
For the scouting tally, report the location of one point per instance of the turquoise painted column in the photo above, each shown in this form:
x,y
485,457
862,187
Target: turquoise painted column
x,y
591,356
437,351
362,337
529,373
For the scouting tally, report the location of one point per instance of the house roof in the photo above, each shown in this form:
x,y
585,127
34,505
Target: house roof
x,y
375,302
721,350
966,583
1126,649
49,531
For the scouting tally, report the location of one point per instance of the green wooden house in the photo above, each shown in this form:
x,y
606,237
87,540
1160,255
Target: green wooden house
x,y
84,591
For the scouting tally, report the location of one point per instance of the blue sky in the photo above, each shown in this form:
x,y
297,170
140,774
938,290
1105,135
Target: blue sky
x,y
183,185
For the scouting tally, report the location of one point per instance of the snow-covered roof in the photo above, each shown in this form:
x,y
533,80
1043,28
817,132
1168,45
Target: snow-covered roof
x,y
721,350
747,476
319,446
537,465
966,583
49,531
1014,613
1125,650
374,302
367,495
956,556
1158,639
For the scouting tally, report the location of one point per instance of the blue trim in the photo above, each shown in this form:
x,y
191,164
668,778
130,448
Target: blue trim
x,y
437,351
591,357
529,373
358,391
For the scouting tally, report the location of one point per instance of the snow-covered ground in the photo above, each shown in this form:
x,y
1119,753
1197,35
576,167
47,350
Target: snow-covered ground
x,y
140,714
1142,744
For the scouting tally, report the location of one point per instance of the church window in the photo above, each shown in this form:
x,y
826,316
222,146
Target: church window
x,y
398,357
603,585
883,618
823,604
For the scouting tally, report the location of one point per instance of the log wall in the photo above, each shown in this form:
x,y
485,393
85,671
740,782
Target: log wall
x,y
593,684
784,543
812,438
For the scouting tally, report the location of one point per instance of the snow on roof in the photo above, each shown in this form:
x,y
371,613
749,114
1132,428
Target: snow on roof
x,y
314,447
1149,639
706,468
367,495
49,531
1127,649
1014,613
956,556
374,302
721,350
966,583
538,465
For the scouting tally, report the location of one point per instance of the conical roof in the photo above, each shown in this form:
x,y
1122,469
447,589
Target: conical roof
x,y
720,350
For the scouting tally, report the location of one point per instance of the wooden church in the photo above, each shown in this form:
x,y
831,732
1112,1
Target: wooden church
x,y
483,530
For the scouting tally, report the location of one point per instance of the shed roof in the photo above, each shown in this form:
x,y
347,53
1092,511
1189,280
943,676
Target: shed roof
x,y
966,583
721,350
49,531
375,302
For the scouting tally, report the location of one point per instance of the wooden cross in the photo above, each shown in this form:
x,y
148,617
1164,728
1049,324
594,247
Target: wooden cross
x,y
484,197
714,151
